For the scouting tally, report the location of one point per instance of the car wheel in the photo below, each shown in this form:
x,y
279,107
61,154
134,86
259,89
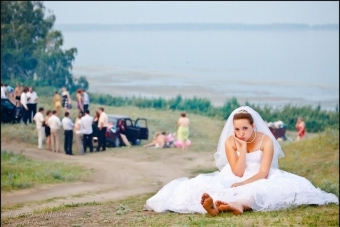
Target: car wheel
x,y
137,142
117,142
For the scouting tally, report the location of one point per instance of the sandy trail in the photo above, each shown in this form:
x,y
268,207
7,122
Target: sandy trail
x,y
117,173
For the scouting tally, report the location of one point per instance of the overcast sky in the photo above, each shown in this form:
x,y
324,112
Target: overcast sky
x,y
69,12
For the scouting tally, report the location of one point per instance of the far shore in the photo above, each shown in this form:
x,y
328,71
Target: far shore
x,y
113,81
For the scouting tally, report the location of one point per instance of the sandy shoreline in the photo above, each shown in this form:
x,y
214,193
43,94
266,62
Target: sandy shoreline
x,y
118,82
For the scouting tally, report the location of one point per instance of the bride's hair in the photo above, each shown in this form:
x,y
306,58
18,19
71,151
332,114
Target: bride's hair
x,y
244,115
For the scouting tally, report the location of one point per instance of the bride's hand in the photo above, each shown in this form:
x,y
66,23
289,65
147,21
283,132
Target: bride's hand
x,y
240,143
237,184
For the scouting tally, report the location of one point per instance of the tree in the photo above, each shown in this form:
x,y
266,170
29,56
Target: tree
x,y
29,46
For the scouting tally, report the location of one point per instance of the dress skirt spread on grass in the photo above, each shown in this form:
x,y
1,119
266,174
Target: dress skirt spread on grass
x,y
278,191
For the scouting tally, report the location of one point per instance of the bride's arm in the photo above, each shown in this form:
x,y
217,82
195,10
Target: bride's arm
x,y
267,157
237,162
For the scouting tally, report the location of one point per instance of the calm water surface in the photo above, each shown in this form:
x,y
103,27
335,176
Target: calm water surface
x,y
264,66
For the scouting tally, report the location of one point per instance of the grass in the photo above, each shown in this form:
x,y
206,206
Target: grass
x,y
129,212
316,158
19,172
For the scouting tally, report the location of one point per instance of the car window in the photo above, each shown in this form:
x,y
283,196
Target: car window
x,y
112,121
128,122
141,123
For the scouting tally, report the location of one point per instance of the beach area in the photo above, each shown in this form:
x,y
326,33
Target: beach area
x,y
262,66
128,83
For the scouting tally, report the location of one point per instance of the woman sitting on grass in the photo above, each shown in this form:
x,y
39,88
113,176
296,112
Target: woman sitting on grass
x,y
158,141
249,176
122,133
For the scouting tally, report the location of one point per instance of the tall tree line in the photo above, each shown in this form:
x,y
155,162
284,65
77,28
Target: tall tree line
x,y
31,48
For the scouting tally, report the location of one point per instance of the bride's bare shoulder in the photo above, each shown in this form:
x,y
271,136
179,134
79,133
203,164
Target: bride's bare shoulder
x,y
229,138
230,141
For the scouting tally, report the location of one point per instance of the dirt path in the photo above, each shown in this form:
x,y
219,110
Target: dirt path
x,y
117,173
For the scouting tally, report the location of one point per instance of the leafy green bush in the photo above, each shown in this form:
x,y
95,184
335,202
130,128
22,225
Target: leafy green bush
x,y
316,120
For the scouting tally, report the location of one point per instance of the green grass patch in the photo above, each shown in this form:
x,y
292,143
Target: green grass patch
x,y
129,212
316,159
19,172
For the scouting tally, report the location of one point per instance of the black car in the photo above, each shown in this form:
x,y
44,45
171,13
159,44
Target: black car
x,y
9,112
135,131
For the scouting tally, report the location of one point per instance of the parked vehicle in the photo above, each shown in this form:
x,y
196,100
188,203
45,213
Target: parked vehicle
x,y
9,112
279,132
135,131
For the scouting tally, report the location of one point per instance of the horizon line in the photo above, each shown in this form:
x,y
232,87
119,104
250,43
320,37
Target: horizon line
x,y
195,23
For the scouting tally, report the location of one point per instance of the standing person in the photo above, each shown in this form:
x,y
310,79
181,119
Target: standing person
x,y
86,101
78,131
79,101
32,103
102,126
24,108
301,128
40,123
183,130
87,122
66,100
55,124
68,132
48,130
249,177
3,92
95,125
57,102
17,94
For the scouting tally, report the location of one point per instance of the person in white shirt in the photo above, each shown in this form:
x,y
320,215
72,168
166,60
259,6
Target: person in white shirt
x,y
23,101
86,101
32,100
10,93
68,132
87,122
55,124
3,92
78,131
102,126
40,123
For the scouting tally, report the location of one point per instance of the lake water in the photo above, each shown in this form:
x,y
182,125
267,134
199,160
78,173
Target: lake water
x,y
297,66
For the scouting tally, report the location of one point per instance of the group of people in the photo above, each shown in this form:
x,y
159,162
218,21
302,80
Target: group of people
x,y
64,101
179,139
25,98
84,127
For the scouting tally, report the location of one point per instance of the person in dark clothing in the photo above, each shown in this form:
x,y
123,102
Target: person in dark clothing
x,y
24,107
95,125
102,125
68,131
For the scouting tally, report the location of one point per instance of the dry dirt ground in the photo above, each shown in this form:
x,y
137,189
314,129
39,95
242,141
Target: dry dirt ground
x,y
116,174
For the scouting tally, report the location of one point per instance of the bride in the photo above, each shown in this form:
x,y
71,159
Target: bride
x,y
249,177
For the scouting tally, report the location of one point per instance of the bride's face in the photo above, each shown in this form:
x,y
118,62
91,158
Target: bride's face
x,y
243,129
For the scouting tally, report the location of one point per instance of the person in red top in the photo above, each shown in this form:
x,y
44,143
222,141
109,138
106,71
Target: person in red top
x,y
301,127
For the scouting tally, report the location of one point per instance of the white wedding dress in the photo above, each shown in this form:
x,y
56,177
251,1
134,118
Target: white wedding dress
x,y
280,190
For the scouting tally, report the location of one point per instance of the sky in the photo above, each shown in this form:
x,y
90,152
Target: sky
x,y
131,12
